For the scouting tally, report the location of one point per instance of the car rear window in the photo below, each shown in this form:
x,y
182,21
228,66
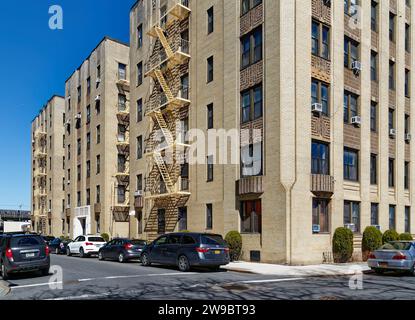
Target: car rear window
x,y
188,240
96,239
26,242
396,246
138,242
213,240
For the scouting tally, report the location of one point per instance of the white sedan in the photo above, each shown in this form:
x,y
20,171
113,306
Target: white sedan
x,y
85,246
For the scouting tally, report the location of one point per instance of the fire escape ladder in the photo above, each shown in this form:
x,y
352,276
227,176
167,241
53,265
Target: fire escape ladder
x,y
164,42
164,85
164,171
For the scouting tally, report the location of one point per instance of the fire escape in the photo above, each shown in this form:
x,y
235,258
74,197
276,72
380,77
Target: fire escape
x,y
166,188
40,175
121,203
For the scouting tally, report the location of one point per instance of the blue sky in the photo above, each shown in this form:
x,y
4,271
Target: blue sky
x,y
35,61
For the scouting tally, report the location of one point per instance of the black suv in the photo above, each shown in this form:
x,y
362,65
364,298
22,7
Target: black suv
x,y
23,253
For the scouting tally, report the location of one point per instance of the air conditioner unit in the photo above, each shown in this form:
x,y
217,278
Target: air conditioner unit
x,y
68,206
356,120
356,66
98,80
98,98
69,182
132,213
316,228
317,108
78,116
138,193
327,3
49,210
350,226
392,133
408,137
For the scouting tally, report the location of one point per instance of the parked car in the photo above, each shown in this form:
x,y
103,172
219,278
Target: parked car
x,y
48,239
85,246
186,250
394,256
122,250
59,246
23,253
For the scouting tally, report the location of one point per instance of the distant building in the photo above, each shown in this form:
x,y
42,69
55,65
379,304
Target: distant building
x,y
13,215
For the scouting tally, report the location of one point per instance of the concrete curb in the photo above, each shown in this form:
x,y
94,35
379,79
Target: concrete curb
x,y
4,288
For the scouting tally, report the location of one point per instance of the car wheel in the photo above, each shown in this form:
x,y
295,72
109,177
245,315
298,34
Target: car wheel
x,y
100,256
121,258
145,260
215,269
4,273
68,252
82,253
183,264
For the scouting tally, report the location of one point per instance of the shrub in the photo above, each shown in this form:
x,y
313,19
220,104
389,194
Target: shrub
x,y
390,235
372,240
342,245
105,236
234,240
406,237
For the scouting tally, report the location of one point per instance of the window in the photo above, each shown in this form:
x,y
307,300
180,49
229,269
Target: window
x,y
88,141
407,124
140,36
210,20
320,40
78,198
251,216
351,52
210,116
351,165
139,182
139,147
88,169
88,197
184,92
209,168
374,66
252,104
391,119
140,222
79,172
122,102
407,83
210,69
391,173
139,110
374,16
373,169
373,117
408,219
320,163
251,48
122,71
98,134
183,219
407,175
98,194
391,75
79,94
392,22
139,73
88,86
392,217
248,5
321,214
78,147
374,214
121,194
352,214
98,164
98,75
251,160
98,106
209,216
320,94
350,106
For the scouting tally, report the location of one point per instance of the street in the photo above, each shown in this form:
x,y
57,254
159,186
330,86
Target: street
x,y
89,278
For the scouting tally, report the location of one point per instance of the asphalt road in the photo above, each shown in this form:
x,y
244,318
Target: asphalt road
x,y
84,279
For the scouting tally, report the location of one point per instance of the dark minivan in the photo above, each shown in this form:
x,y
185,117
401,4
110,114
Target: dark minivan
x,y
23,253
122,250
187,250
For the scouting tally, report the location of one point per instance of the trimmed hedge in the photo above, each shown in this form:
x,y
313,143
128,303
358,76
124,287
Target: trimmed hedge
x,y
372,240
234,240
406,237
390,235
105,236
342,245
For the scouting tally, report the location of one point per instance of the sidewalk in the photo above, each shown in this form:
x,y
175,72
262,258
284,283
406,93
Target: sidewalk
x,y
297,271
4,288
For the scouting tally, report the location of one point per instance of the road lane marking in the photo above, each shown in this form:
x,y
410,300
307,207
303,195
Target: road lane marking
x,y
272,280
36,285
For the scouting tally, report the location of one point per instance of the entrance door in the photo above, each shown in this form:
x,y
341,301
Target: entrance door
x,y
161,219
83,225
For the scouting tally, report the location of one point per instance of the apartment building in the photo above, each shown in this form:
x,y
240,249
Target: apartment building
x,y
47,173
321,94
96,156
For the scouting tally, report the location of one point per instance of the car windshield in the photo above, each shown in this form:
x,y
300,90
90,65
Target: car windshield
x,y
213,240
138,242
25,242
396,246
96,239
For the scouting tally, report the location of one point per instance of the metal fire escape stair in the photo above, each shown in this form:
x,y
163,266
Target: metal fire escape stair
x,y
164,171
164,85
164,42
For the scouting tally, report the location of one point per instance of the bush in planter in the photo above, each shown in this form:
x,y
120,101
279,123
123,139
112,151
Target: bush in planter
x,y
105,236
342,245
234,240
390,235
406,237
372,240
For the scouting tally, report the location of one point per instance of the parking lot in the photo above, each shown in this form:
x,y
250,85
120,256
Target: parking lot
x,y
92,279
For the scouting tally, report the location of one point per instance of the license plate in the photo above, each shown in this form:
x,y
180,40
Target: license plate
x,y
383,264
30,255
217,252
